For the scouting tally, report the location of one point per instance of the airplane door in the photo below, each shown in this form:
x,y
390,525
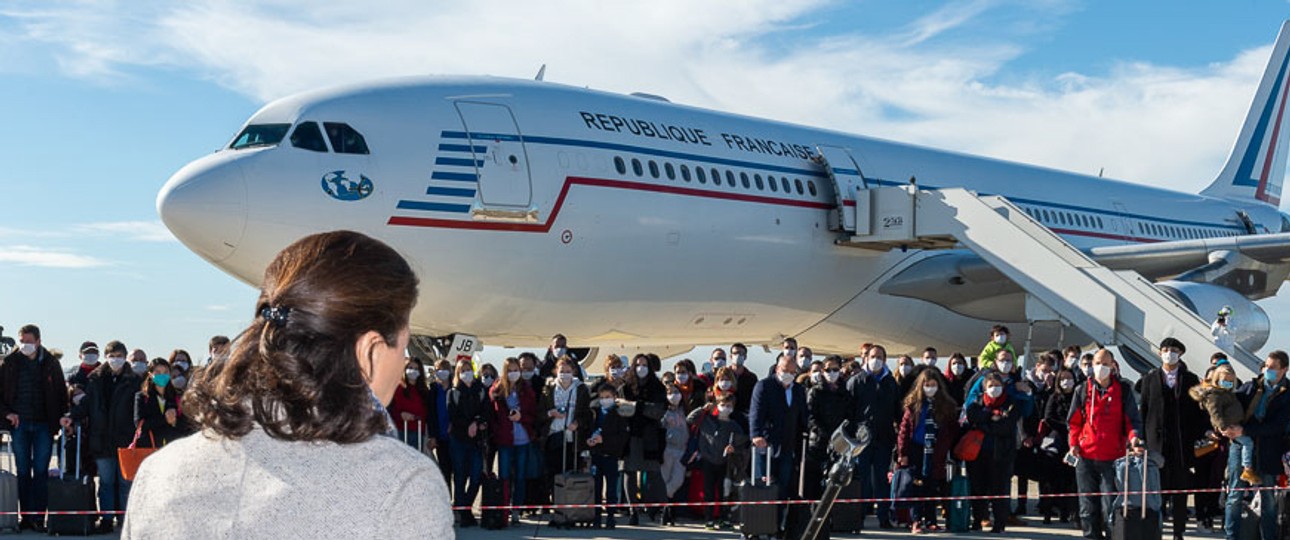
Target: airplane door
x,y
1121,222
504,166
844,173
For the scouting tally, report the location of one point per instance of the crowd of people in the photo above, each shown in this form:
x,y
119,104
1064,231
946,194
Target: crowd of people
x,y
692,433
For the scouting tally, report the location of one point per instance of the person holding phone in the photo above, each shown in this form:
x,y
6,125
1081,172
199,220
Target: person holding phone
x,y
514,413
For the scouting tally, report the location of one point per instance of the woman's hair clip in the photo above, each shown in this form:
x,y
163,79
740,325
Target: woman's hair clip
x,y
277,316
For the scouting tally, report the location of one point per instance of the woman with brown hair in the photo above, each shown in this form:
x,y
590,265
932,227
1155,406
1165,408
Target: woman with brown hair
x,y
514,412
930,419
155,411
292,422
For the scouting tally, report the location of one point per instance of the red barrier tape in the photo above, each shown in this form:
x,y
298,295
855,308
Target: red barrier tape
x,y
855,501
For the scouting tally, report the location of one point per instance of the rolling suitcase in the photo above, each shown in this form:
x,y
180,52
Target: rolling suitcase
x,y
1136,518
903,488
8,487
800,513
758,519
494,494
846,517
71,492
960,510
573,487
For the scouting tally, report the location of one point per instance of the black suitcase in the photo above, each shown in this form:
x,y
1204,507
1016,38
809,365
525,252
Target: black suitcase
x,y
758,519
800,513
846,517
494,494
573,487
71,492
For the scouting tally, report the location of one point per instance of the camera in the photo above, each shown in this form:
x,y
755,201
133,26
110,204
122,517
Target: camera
x,y
7,344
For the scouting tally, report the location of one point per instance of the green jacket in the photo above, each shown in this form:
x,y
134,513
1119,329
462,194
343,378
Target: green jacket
x,y
986,359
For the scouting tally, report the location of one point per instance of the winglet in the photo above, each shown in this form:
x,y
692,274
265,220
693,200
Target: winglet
x,y
1256,169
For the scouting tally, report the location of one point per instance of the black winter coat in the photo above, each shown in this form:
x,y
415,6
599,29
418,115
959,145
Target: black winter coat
x,y
875,403
467,405
109,408
613,430
153,416
51,376
649,431
826,409
1000,444
1171,432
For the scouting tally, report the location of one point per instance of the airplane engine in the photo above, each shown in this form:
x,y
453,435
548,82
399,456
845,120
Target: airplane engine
x,y
1251,324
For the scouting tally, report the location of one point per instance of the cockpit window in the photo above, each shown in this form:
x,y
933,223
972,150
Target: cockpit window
x,y
1285,223
260,135
308,136
344,139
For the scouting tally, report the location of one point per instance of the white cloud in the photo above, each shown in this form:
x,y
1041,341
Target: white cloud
x,y
48,258
930,81
138,231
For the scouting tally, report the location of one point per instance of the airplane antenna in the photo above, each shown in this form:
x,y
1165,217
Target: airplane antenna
x,y
541,73
1100,171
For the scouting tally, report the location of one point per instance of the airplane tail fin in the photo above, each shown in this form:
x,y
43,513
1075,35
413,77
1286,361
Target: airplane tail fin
x,y
1256,169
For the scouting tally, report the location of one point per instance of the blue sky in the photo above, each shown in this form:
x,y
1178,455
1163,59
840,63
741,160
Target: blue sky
x,y
102,101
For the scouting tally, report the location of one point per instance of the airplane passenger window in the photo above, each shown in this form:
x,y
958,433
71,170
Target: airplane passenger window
x,y
1099,222
345,139
698,171
798,183
787,188
620,165
260,135
810,184
774,186
730,178
637,168
685,172
308,137
743,180
716,175
670,170
757,179
653,168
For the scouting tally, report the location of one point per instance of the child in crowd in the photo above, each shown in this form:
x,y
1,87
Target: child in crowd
x,y
607,444
1216,397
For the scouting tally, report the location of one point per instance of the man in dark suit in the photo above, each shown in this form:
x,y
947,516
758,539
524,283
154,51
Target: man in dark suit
x,y
875,399
1174,421
778,420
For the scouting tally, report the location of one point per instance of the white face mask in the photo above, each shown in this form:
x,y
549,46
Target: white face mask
x,y
739,359
930,391
706,368
467,377
930,361
140,367
786,378
559,352
1067,384
1000,339
1171,358
1088,371
412,374
488,381
528,373
443,374
875,365
682,378
957,369
116,362
725,410
817,377
179,382
182,364
832,376
1005,367
642,371
1101,371
27,348
566,377
76,399
512,376
1072,361
725,384
674,398
994,391
905,370
606,402
90,359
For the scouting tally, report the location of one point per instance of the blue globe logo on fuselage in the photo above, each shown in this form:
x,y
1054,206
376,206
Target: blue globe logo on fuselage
x,y
342,188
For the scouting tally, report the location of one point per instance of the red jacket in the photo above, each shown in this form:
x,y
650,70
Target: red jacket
x,y
408,399
1103,421
500,422
946,435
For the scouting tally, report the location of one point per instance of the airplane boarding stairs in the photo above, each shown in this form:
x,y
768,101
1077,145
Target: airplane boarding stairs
x,y
1114,308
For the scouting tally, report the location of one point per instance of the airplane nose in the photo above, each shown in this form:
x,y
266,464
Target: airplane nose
x,y
204,205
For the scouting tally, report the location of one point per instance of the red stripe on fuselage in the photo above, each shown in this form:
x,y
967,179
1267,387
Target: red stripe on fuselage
x,y
1262,194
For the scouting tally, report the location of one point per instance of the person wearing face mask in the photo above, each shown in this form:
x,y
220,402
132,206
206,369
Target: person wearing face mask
x,y
693,389
1059,478
155,408
745,380
805,359
1070,362
646,442
566,411
724,382
529,370
827,405
808,378
32,392
559,348
788,349
875,402
1005,366
723,454
999,341
607,444
716,361
1031,465
218,349
1267,413
997,415
515,413
778,421
468,413
1085,371
181,371
615,374
928,429
677,434
413,405
1173,422
904,374
437,422
107,413
89,362
957,374
1104,420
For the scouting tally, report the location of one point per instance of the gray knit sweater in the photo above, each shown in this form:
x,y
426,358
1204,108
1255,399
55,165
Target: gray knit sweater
x,y
260,487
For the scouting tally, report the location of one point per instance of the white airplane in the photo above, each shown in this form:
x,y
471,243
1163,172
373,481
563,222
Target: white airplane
x,y
628,221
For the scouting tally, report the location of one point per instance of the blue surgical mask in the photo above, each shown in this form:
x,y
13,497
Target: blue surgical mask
x,y
1270,376
1226,385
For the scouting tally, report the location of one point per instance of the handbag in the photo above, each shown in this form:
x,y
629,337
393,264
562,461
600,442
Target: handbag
x,y
969,447
1204,447
132,457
